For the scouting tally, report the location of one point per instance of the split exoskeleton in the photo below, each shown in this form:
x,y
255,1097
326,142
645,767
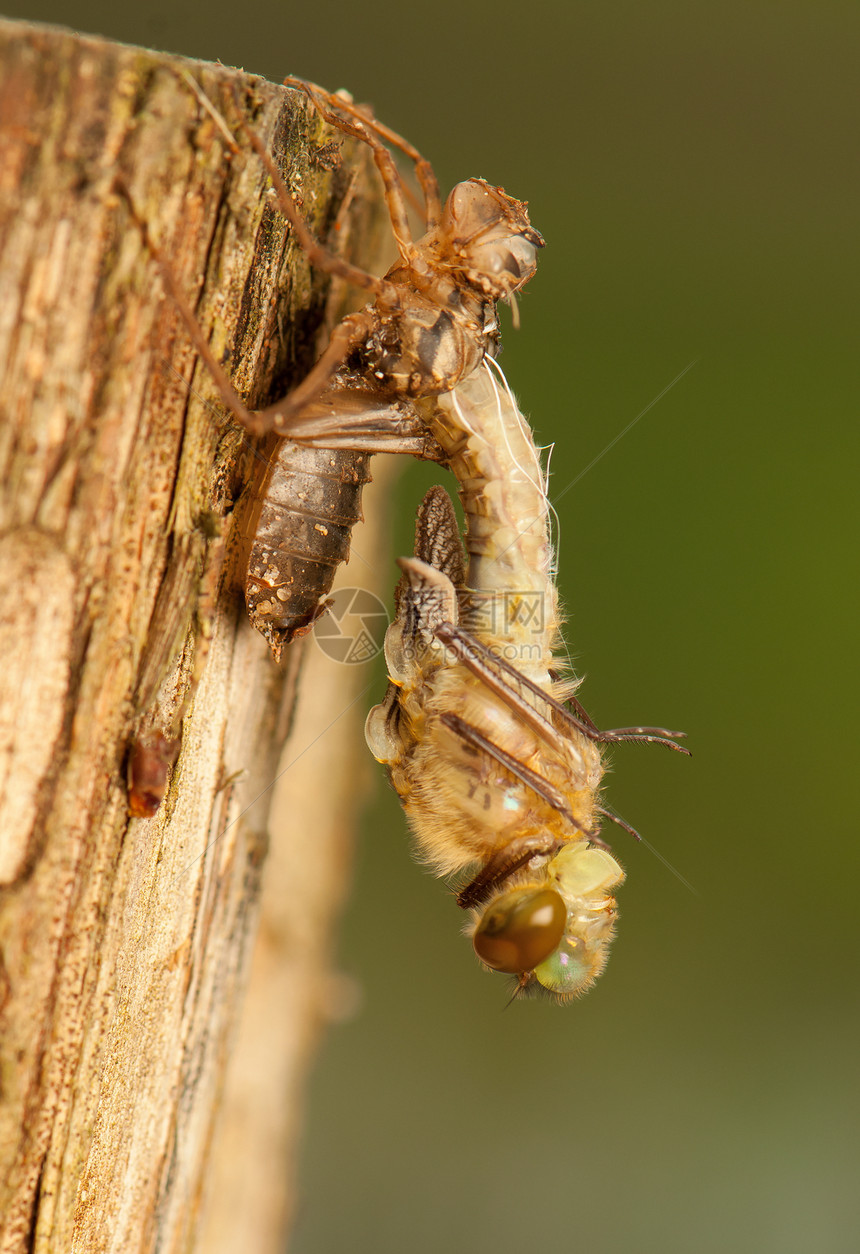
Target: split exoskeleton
x,y
430,324
497,765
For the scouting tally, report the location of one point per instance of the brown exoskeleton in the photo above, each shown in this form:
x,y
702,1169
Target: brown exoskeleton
x,y
430,324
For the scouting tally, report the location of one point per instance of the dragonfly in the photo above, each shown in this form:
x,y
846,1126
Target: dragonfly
x,y
498,766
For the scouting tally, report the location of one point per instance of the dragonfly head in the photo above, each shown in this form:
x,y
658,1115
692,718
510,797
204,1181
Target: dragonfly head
x,y
487,236
554,933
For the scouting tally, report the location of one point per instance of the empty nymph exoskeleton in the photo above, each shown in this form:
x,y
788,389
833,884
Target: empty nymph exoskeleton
x,y
431,322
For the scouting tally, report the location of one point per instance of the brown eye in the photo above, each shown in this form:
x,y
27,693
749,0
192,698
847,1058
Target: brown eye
x,y
520,930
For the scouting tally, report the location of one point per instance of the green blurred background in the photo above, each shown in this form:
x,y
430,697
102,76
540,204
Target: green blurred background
x,y
694,170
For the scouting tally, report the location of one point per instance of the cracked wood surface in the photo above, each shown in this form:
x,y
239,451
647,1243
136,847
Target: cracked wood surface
x,y
125,943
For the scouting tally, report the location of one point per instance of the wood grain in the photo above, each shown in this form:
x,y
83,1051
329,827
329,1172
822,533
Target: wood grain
x,y
125,943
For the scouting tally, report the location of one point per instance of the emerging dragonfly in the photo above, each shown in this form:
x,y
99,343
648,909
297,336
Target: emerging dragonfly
x,y
496,763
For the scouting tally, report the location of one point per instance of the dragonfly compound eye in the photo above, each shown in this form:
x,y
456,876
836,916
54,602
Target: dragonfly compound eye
x,y
507,263
520,930
570,969
492,235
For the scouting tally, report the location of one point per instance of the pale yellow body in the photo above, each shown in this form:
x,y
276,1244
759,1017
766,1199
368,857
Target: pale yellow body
x,y
464,806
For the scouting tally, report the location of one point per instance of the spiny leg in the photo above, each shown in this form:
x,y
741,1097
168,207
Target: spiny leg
x,y
352,122
354,420
317,254
278,417
507,681
642,735
259,422
540,787
229,395
274,417
353,329
485,665
424,171
307,414
502,865
609,813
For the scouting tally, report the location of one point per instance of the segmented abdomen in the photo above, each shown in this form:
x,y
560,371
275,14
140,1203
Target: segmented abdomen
x,y
299,534
502,485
